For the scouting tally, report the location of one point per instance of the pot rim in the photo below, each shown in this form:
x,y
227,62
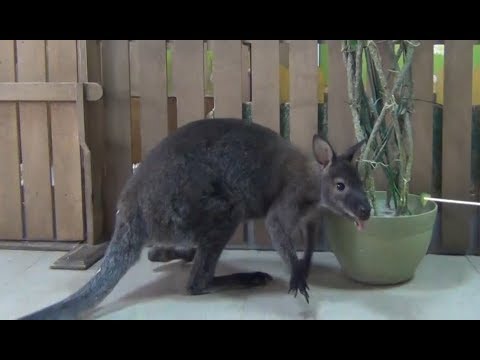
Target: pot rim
x,y
423,213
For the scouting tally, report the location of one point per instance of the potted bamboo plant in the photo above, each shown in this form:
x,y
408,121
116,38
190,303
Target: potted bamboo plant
x,y
399,231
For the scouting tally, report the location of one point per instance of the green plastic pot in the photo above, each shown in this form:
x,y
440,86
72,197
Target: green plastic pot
x,y
389,249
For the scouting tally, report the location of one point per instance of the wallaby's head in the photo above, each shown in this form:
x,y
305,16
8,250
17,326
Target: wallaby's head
x,y
342,190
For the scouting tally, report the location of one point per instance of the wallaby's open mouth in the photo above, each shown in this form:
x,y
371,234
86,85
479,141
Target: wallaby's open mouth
x,y
360,224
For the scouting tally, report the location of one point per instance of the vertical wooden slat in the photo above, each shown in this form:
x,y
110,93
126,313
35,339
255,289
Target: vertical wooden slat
x,y
135,105
188,61
266,83
340,126
118,158
246,84
10,195
248,227
422,119
153,92
86,168
303,93
339,117
265,100
457,127
85,153
94,137
227,80
62,66
135,67
136,114
34,134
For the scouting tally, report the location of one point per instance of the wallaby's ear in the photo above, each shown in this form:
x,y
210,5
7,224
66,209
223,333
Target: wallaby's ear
x,y
350,153
322,151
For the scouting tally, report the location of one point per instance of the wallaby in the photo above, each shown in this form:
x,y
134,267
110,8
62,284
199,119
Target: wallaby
x,y
198,184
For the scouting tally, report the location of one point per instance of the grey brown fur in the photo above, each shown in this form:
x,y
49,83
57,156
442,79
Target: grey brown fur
x,y
198,184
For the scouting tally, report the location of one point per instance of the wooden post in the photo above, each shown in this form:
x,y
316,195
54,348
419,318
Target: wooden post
x,y
118,159
227,83
265,56
35,145
11,227
457,130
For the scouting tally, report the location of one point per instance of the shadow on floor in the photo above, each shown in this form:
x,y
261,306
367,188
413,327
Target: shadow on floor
x,y
174,276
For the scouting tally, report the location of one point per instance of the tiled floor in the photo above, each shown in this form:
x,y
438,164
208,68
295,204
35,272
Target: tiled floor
x,y
443,288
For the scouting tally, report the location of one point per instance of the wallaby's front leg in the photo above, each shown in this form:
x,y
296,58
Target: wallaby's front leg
x,y
282,225
310,233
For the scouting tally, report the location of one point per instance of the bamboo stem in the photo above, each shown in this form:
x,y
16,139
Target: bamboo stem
x,y
393,104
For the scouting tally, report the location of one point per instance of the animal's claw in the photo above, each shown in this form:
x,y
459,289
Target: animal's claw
x,y
298,281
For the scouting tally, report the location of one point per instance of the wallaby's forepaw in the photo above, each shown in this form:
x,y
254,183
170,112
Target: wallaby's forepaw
x,y
298,280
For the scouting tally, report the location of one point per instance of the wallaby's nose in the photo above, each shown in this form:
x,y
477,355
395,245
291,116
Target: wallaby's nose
x,y
364,211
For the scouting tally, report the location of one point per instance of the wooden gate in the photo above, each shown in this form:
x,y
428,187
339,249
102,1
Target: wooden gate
x,y
45,163
66,150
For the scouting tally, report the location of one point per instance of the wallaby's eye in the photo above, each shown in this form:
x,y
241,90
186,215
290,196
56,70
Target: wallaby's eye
x,y
340,186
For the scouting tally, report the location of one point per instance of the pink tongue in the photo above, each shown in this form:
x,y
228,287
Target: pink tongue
x,y
359,224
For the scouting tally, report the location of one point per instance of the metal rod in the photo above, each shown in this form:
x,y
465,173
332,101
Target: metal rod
x,y
453,201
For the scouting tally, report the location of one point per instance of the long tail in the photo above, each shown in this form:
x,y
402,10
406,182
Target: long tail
x,y
123,252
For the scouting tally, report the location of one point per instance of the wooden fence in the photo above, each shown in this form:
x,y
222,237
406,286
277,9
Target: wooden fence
x,y
66,151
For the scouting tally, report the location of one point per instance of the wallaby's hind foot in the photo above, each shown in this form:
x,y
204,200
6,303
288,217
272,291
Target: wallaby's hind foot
x,y
240,280
234,281
162,253
202,276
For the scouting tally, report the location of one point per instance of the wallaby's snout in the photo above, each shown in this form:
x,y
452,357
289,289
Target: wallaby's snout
x,y
364,208
364,211
362,214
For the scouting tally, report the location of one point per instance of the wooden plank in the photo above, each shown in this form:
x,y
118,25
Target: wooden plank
x,y
94,137
37,245
249,227
457,127
135,106
153,93
266,83
35,147
227,82
40,91
85,154
227,78
118,151
10,195
62,66
172,113
340,126
265,100
303,93
80,258
422,118
246,83
135,67
188,62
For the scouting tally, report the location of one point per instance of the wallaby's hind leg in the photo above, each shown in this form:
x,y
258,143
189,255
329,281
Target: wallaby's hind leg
x,y
166,253
202,277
